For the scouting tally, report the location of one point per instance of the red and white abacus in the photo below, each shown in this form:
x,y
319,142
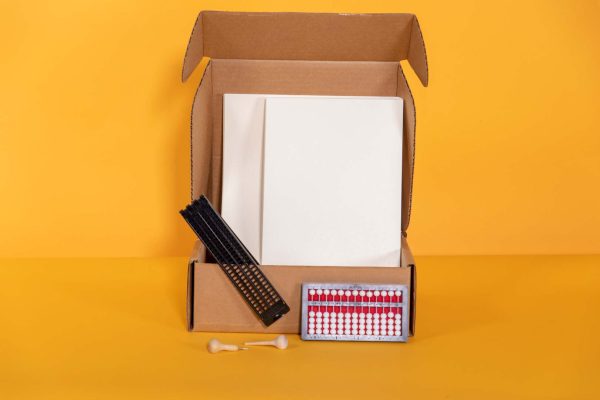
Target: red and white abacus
x,y
354,312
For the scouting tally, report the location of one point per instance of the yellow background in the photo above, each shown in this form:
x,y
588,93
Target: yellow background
x,y
94,142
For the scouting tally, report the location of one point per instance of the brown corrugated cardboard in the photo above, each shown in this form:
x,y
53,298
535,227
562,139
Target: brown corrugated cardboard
x,y
292,53
215,305
307,36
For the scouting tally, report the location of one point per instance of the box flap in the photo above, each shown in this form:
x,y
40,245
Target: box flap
x,y
307,36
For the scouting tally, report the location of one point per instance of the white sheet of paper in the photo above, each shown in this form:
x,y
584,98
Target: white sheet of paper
x,y
241,199
242,188
332,181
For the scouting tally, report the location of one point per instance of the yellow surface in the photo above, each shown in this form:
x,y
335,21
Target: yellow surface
x,y
487,328
94,125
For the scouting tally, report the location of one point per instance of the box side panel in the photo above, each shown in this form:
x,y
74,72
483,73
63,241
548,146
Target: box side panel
x,y
195,49
417,56
198,254
408,156
218,307
191,292
291,77
201,134
408,261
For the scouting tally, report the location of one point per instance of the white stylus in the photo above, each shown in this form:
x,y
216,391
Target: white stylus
x,y
280,342
214,346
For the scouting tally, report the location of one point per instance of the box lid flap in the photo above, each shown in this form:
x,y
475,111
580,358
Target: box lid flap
x,y
307,36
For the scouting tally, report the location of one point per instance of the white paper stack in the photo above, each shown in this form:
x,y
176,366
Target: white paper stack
x,y
243,136
311,180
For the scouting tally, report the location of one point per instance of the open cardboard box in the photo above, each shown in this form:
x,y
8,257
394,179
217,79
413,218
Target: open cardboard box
x,y
301,54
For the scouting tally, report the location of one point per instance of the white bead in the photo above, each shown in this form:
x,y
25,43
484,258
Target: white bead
x,y
311,292
326,314
362,293
326,292
355,293
326,331
311,326
398,293
398,333
354,326
369,332
383,293
391,314
347,331
347,293
361,331
383,332
319,331
333,314
354,331
311,331
319,314
319,319
376,293
369,294
319,292
332,331
326,320
376,332
333,292
354,315
369,316
376,316
311,313
362,315
397,316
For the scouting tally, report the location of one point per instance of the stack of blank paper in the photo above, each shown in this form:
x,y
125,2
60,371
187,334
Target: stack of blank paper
x,y
324,174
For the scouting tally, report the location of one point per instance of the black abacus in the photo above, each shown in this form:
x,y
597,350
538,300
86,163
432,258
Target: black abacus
x,y
235,260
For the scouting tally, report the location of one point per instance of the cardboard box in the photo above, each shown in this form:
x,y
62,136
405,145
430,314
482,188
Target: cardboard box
x,y
292,53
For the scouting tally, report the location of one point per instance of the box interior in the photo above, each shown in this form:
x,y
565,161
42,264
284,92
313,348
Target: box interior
x,y
341,78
